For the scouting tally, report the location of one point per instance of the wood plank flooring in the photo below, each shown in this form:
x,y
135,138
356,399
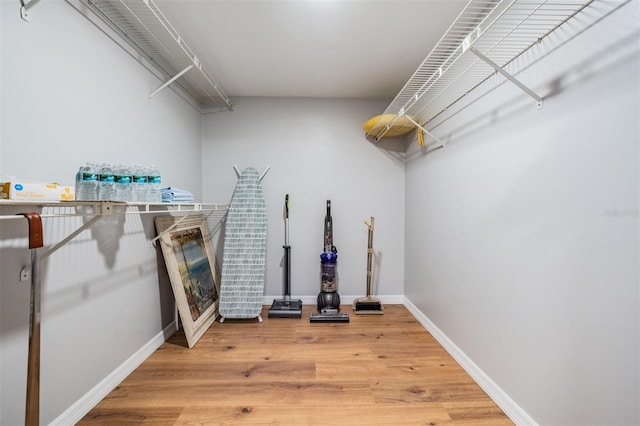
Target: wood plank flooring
x,y
375,370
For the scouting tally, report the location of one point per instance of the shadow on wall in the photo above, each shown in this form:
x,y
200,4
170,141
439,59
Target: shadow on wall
x,y
107,233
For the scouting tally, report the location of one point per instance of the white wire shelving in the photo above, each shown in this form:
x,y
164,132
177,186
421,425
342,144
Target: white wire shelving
x,y
91,212
485,37
142,24
107,207
214,213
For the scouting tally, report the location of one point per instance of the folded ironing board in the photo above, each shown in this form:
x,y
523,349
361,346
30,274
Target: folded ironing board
x,y
244,256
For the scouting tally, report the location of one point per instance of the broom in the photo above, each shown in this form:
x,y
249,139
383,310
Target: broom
x,y
368,305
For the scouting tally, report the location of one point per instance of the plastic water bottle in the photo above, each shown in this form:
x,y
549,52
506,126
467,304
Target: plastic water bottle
x,y
87,183
123,183
107,186
79,176
139,184
154,195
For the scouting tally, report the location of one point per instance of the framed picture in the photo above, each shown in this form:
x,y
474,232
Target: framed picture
x,y
190,261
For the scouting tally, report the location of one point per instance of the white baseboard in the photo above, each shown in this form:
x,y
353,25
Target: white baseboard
x,y
78,410
502,400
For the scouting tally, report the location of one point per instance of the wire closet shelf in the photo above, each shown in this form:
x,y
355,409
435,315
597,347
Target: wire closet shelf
x,y
142,24
213,213
93,208
485,37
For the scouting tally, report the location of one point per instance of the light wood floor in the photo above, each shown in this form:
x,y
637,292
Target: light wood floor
x,y
376,370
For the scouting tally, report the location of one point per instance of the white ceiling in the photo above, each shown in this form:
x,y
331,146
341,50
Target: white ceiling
x,y
311,48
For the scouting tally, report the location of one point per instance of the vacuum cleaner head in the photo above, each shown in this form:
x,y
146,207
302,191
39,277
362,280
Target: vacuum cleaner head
x,y
367,306
329,316
282,308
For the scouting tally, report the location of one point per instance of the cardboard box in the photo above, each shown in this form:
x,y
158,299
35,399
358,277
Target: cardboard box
x,y
36,191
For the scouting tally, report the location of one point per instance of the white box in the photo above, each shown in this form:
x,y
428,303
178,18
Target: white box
x,y
36,191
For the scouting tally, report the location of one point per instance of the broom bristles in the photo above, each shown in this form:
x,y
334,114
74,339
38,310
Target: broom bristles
x,y
367,305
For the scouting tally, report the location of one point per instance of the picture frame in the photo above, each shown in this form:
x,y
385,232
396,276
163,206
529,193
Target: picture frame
x,y
190,259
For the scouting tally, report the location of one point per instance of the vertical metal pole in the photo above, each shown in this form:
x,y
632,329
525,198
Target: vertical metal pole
x,y
32,411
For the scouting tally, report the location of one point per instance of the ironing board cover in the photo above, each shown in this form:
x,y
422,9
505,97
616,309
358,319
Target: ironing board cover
x,y
244,257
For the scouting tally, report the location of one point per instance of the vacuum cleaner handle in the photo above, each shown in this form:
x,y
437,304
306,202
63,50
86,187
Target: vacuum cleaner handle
x,y
286,206
286,221
328,229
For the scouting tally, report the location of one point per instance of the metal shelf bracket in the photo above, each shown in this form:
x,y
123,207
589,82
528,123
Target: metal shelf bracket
x,y
24,273
508,76
442,144
24,8
168,82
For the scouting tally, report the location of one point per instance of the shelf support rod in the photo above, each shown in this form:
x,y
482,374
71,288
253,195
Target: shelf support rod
x,y
169,229
425,130
61,243
508,76
171,80
69,237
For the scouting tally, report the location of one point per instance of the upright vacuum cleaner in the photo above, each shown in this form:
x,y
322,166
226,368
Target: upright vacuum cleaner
x,y
369,304
286,308
328,298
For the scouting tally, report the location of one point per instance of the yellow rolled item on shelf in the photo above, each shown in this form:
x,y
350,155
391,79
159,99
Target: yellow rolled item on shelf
x,y
377,125
420,136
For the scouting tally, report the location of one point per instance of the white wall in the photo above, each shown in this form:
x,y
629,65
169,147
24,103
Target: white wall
x,y
317,151
70,95
522,236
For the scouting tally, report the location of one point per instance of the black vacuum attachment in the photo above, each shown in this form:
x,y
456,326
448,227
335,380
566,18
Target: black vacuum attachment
x,y
286,308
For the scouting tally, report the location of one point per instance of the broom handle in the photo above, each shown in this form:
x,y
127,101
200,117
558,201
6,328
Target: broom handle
x,y
369,254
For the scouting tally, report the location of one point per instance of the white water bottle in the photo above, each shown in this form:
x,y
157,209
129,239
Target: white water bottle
x,y
123,183
87,183
154,195
138,184
107,186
